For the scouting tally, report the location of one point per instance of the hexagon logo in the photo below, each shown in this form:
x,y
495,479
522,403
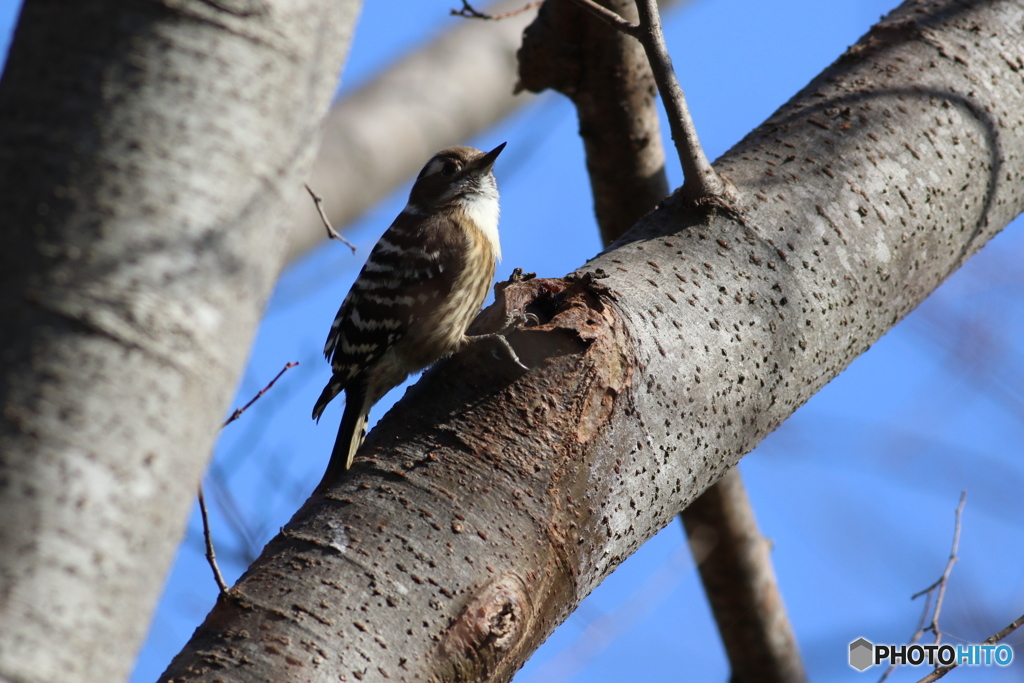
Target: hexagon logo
x,y
860,654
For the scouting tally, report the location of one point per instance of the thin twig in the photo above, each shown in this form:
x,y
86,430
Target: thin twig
x,y
331,232
999,635
930,592
700,181
469,12
740,584
991,640
233,514
211,556
609,17
918,634
944,579
238,411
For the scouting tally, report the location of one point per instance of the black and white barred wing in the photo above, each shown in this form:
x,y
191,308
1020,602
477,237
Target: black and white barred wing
x,y
408,274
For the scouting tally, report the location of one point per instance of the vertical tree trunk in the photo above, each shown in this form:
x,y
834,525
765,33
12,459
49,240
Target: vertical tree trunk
x,y
147,150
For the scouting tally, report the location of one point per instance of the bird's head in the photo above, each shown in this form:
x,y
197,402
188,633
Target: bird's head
x,y
454,174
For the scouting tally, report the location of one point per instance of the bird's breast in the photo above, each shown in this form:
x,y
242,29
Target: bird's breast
x,y
481,208
442,331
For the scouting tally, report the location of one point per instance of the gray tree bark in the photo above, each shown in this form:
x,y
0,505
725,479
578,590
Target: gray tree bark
x,y
608,78
489,501
146,151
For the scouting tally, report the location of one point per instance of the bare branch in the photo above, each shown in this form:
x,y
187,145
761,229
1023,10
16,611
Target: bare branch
x,y
480,486
211,556
331,232
142,345
930,591
615,102
943,580
999,635
241,527
991,640
741,586
238,411
609,17
625,162
700,179
469,12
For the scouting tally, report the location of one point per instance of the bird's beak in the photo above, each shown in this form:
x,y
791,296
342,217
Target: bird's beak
x,y
487,160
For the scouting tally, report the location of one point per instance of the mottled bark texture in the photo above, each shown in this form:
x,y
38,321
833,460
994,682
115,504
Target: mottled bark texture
x,y
145,150
735,565
606,75
489,502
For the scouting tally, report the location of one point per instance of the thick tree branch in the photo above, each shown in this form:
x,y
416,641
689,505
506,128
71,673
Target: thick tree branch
x,y
489,502
740,584
145,150
609,79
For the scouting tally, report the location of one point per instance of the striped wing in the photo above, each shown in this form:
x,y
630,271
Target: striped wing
x,y
410,271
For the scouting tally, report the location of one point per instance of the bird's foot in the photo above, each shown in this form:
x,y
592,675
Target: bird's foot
x,y
512,321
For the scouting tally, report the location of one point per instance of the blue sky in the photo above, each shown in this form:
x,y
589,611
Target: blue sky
x,y
856,490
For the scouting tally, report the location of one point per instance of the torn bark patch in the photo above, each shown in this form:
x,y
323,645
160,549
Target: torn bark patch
x,y
596,411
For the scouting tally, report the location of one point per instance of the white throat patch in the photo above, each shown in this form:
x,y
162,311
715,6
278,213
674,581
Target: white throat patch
x,y
482,208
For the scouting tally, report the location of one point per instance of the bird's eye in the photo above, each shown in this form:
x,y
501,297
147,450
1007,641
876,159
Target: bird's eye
x,y
449,168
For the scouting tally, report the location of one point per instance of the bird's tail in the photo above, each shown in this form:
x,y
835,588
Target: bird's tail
x,y
351,433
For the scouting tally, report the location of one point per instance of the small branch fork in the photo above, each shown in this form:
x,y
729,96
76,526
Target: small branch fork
x,y
700,179
942,582
211,556
940,586
991,640
469,12
936,590
333,234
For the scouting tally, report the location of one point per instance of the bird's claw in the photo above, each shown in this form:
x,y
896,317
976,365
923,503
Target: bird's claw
x,y
515,319
512,321
500,338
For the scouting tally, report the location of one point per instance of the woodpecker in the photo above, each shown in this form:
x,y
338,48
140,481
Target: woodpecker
x,y
422,285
